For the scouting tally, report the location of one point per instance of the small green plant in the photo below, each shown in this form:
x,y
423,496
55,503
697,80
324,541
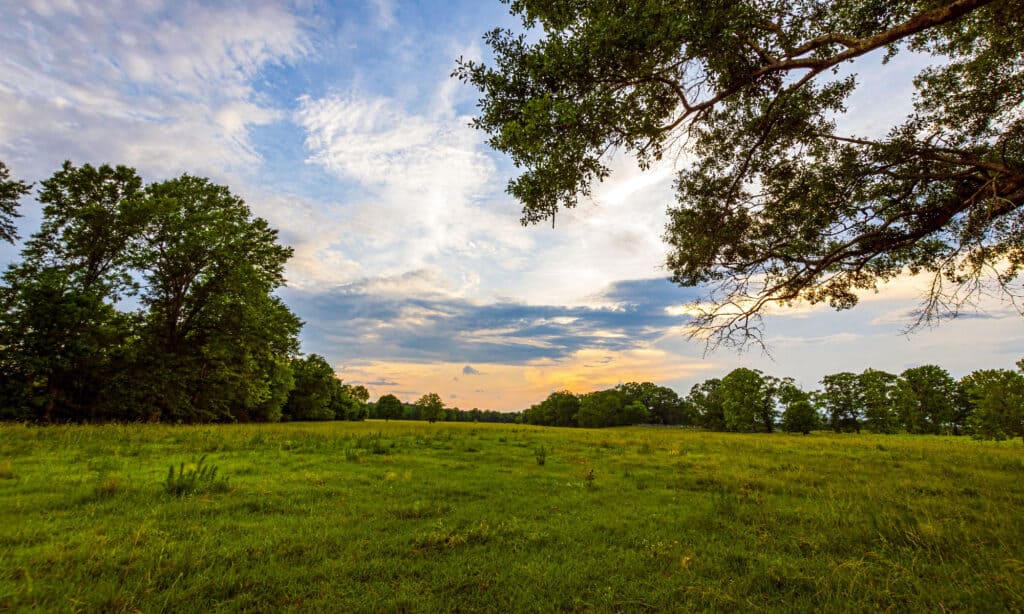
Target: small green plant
x,y
588,479
541,454
202,478
351,455
7,471
110,486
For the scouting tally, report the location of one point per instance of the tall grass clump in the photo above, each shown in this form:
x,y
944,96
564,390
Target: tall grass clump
x,y
194,480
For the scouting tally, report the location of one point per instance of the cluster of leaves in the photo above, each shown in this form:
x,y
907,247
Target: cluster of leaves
x,y
779,204
147,302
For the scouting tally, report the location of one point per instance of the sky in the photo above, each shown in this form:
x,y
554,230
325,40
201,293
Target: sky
x,y
339,123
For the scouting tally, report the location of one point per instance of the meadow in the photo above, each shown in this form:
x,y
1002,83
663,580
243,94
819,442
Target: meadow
x,y
410,516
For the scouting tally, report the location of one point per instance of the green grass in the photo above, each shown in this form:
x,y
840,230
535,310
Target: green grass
x,y
444,517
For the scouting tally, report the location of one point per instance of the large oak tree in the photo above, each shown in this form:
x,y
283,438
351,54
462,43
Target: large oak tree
x,y
780,204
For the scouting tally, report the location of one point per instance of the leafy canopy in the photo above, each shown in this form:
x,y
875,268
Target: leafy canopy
x,y
779,204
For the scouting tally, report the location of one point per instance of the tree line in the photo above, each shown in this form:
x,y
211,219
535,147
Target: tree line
x,y
987,403
152,302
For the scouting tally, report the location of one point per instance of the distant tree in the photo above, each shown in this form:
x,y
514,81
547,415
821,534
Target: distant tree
x,y
800,417
797,406
358,392
602,408
775,392
10,191
998,399
842,400
663,404
635,413
431,407
743,398
878,390
389,407
924,399
314,389
706,400
559,409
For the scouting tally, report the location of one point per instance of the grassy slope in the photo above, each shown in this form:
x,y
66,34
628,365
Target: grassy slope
x,y
442,517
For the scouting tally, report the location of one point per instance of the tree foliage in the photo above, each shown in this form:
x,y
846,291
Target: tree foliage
x,y
315,387
924,399
997,396
800,417
781,203
389,407
843,401
10,191
878,396
663,405
431,407
743,396
138,302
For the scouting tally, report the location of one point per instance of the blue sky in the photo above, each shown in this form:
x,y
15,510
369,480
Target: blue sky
x,y
338,122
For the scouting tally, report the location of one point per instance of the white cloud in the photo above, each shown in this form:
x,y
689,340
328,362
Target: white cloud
x,y
163,88
426,185
385,13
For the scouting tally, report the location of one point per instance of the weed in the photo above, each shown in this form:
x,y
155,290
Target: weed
x,y
588,479
107,488
7,471
200,479
541,454
351,455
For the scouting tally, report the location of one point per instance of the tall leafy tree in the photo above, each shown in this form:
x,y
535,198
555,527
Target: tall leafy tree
x,y
213,333
878,390
744,397
842,400
781,202
315,384
10,191
800,417
706,400
604,408
62,334
559,409
389,407
431,407
997,397
663,404
924,399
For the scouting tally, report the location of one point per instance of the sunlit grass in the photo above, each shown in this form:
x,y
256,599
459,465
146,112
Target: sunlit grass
x,y
400,515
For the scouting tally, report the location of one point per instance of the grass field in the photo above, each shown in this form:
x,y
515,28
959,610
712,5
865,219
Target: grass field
x,y
463,517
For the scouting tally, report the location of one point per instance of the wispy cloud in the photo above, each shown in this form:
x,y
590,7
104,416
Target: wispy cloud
x,y
166,89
